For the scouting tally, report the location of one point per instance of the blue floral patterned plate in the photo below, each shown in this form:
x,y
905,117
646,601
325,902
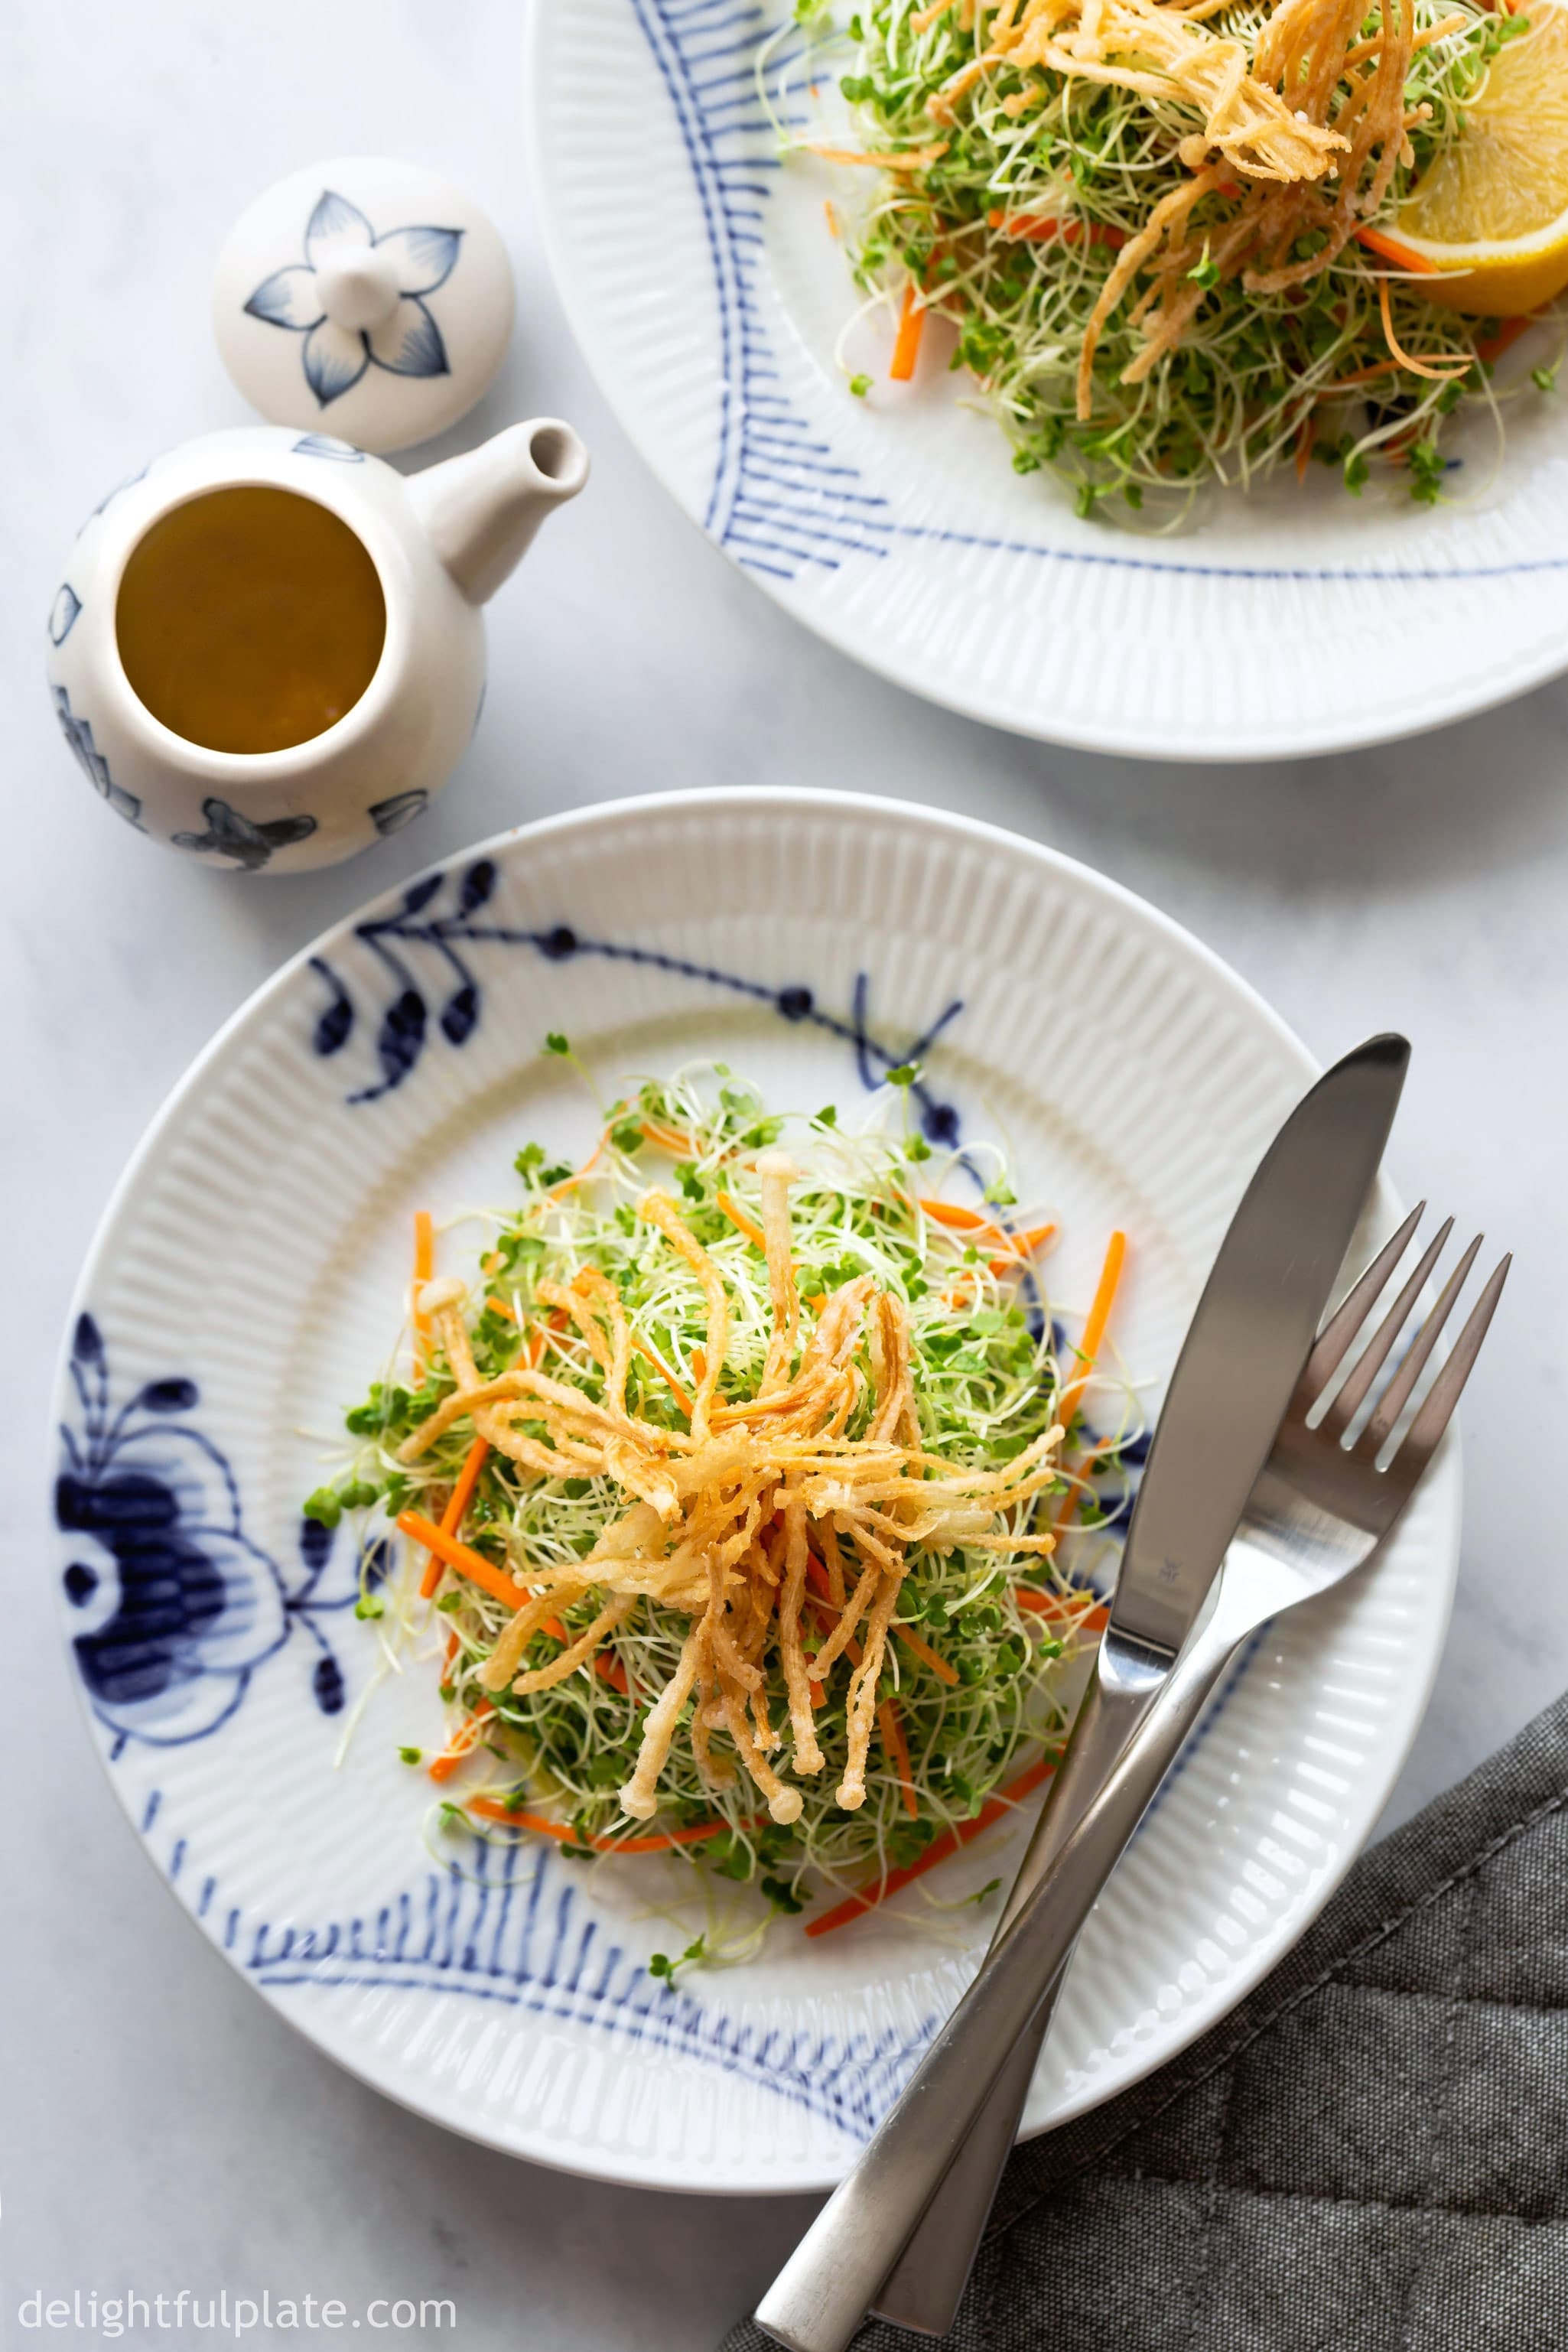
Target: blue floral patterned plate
x,y
702,277
247,1280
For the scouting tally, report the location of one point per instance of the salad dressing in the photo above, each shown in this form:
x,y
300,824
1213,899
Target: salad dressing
x,y
249,619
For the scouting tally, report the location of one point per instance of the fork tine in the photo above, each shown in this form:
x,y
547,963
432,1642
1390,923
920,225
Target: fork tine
x,y
1328,1347
1421,1439
1396,1395
1353,1394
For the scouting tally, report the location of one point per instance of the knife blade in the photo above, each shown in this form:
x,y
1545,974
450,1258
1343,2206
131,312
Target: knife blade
x,y
1244,1351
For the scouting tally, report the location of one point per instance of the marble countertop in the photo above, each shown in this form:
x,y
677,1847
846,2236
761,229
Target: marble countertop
x,y
165,2129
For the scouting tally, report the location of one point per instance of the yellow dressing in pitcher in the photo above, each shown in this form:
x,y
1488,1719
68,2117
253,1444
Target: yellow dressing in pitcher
x,y
249,619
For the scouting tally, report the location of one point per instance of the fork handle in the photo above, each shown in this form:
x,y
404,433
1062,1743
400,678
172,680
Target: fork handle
x,y
837,2271
926,2285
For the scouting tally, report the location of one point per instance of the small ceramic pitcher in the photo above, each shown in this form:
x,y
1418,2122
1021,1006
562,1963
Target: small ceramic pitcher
x,y
440,543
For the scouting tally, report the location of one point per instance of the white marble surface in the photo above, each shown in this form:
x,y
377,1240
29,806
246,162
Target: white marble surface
x,y
159,2128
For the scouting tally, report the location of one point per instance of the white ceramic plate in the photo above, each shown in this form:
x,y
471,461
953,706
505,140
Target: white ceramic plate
x,y
247,1278
703,285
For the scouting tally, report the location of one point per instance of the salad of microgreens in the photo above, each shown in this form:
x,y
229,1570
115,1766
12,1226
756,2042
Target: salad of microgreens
x,y
1012,191
981,1633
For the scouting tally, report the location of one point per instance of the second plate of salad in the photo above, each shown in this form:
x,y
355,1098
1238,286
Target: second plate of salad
x,y
1181,382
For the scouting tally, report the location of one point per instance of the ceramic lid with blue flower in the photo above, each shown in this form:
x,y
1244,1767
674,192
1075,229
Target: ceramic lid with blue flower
x,y
366,298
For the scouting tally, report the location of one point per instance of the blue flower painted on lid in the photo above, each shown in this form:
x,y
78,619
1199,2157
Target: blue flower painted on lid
x,y
357,299
179,1607
78,733
230,835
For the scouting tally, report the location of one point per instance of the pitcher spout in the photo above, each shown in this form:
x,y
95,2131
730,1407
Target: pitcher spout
x,y
481,509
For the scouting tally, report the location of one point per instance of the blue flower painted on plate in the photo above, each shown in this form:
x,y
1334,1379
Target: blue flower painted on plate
x,y
63,613
249,844
180,1606
406,263
510,1927
78,733
440,919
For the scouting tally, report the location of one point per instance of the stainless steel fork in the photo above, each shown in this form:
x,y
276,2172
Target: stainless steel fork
x,y
1334,1486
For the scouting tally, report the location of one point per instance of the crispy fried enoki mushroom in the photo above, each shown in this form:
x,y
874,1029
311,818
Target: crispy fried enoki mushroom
x,y
722,1522
797,1680
778,1172
1158,52
659,1210
1168,214
638,1797
576,1654
862,1707
783,1801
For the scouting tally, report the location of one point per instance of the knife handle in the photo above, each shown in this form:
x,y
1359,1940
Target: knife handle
x,y
819,2298
926,2285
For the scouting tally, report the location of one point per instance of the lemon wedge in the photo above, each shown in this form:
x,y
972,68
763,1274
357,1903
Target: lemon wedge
x,y
1494,205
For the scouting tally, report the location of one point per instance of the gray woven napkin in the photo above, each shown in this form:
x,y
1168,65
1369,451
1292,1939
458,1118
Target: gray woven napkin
x,y
1369,2155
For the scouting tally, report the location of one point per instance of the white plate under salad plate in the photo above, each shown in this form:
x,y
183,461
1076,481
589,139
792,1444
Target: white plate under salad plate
x,y
703,285
250,1272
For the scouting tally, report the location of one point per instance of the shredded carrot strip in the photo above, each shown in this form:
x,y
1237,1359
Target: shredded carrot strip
x,y
464,1745
893,1740
651,1356
1094,1327
1056,1604
424,1267
906,342
1039,228
559,1319
1017,1245
924,1652
456,1504
668,1138
1304,441
491,1810
470,1563
1024,1245
1357,375
498,1307
963,1221
738,1217
567,1182
939,1850
1390,250
832,217
1414,366
1068,1508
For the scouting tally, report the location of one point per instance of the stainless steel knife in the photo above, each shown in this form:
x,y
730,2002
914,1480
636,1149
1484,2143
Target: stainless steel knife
x,y
1238,1366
